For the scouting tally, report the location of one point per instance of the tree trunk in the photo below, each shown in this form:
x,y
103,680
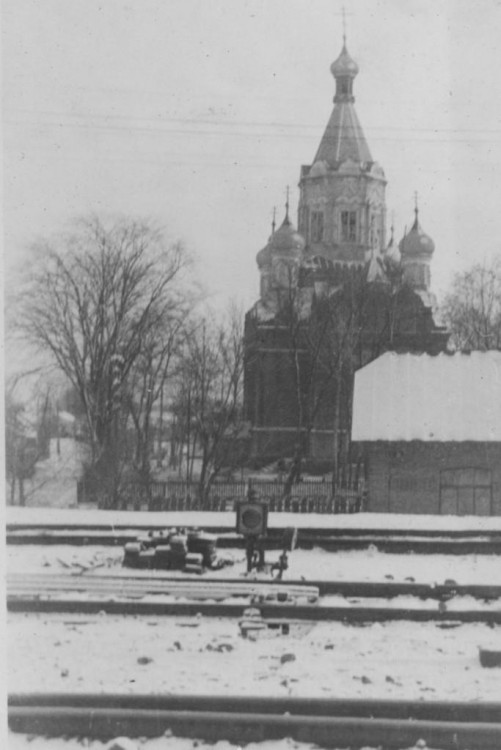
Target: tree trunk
x,y
335,441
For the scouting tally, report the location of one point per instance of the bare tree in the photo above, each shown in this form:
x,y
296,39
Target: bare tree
x,y
94,298
157,363
329,334
472,309
26,433
210,394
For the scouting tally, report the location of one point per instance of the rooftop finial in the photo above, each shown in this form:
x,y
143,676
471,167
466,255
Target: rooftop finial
x,y
274,220
287,203
416,209
343,11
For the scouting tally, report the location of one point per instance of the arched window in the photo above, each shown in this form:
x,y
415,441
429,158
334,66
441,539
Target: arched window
x,y
348,226
317,226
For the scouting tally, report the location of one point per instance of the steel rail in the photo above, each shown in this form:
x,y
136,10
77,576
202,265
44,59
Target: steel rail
x,y
329,531
334,724
330,543
165,584
272,613
124,586
488,711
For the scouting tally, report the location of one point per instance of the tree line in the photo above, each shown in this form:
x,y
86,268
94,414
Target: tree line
x,y
115,309
158,380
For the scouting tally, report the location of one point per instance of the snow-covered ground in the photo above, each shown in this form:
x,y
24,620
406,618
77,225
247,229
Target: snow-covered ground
x,y
111,518
316,564
24,742
109,653
394,660
54,482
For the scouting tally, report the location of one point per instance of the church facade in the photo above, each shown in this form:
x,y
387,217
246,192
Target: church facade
x,y
334,294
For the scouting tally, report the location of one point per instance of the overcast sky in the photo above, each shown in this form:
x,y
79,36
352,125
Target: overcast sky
x,y
199,113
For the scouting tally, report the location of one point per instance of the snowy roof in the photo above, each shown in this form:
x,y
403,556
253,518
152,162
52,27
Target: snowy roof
x,y
431,398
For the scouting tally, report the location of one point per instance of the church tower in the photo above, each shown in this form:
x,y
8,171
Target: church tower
x,y
342,194
315,280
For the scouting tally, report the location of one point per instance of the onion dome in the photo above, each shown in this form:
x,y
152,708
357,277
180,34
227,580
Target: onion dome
x,y
344,65
391,251
416,250
287,238
263,258
416,243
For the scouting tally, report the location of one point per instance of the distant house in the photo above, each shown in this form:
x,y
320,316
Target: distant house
x,y
431,428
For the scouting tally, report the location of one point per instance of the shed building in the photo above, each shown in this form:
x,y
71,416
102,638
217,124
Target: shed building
x,y
431,429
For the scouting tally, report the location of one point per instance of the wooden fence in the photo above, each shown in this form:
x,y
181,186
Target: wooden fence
x,y
305,497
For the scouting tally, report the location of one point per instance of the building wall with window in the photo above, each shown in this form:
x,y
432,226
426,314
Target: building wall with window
x,y
342,214
430,427
449,478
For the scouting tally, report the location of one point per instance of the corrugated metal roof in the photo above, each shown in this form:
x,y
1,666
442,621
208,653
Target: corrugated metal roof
x,y
420,397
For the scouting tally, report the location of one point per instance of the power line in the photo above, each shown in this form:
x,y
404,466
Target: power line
x,y
213,121
242,134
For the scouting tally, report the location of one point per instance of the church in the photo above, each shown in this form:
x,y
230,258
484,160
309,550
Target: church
x,y
335,293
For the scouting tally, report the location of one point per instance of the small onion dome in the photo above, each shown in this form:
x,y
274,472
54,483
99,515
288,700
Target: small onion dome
x,y
416,242
263,258
345,65
287,239
391,251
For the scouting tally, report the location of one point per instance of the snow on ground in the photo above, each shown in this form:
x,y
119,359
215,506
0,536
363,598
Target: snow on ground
x,y
109,653
394,660
316,564
25,742
132,519
55,480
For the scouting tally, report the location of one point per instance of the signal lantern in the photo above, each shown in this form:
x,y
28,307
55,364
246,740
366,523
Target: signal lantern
x,y
252,518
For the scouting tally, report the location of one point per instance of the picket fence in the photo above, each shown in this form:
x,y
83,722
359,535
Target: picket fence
x,y
305,497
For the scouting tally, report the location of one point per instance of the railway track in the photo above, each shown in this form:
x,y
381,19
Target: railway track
x,y
333,540
208,587
278,530
328,723
277,601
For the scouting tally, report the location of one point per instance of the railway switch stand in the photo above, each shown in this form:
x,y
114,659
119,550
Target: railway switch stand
x,y
254,551
252,523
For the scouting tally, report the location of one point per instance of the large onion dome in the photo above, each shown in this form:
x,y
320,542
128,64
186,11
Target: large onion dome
x,y
263,258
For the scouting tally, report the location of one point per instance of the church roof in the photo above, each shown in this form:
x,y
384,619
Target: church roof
x,y
416,242
287,238
443,398
284,240
343,137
